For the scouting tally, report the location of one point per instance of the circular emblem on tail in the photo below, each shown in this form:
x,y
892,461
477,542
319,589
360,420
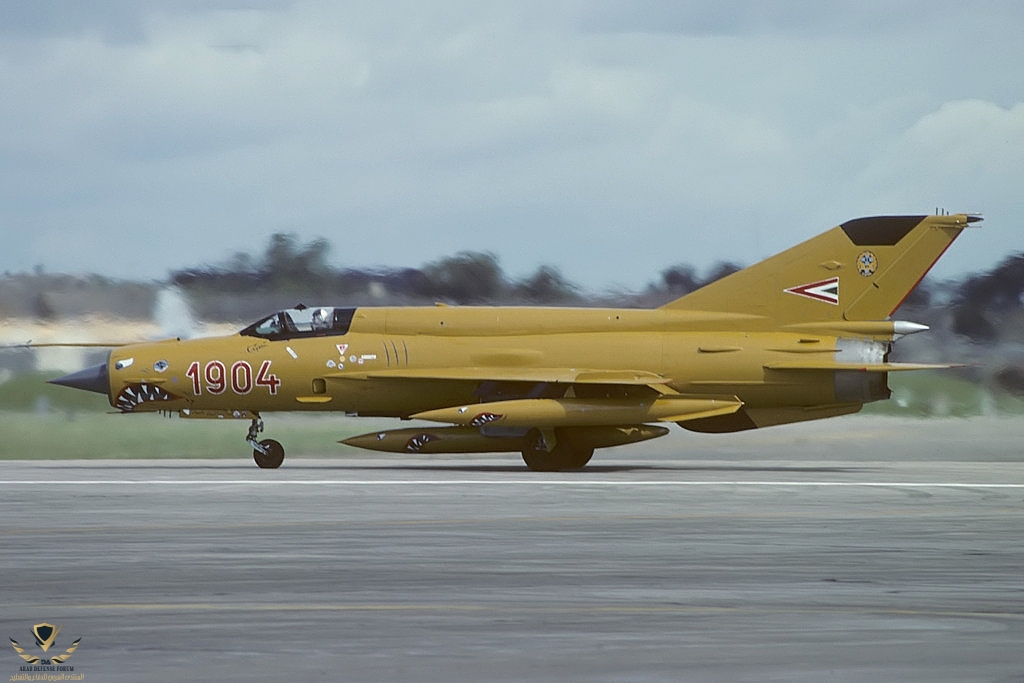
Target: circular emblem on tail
x,y
867,264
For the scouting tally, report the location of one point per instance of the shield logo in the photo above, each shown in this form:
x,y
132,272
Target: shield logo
x,y
45,635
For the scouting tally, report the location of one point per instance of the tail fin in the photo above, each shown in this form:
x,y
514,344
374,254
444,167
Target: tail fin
x,y
860,270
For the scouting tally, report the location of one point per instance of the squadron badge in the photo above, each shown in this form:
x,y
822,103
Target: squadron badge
x,y
867,264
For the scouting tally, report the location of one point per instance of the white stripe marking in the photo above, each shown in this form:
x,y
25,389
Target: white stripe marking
x,y
499,482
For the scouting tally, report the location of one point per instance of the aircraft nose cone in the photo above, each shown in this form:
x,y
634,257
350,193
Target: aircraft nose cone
x,y
95,379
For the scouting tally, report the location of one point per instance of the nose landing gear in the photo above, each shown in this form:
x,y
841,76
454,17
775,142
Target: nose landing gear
x,y
268,453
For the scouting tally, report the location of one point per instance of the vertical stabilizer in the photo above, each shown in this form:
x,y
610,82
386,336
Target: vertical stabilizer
x,y
860,270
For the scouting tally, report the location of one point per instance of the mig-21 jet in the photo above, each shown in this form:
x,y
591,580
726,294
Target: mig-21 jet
x,y
803,335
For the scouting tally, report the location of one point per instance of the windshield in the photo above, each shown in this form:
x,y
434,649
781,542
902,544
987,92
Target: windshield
x,y
317,321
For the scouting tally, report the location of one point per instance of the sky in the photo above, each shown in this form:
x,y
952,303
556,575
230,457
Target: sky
x,y
611,140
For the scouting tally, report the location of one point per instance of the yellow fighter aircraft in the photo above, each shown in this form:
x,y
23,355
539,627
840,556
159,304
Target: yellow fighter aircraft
x,y
801,336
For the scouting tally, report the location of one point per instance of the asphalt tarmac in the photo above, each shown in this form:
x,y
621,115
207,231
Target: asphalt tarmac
x,y
862,550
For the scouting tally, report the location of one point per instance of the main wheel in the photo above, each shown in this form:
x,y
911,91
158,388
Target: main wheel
x,y
566,455
274,456
538,460
575,457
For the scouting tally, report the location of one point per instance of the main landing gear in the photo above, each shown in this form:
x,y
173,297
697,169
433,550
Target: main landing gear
x,y
565,454
268,453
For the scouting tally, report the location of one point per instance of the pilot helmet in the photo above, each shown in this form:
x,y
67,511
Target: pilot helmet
x,y
322,318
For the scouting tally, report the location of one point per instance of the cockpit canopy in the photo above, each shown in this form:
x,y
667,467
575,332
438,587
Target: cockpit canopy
x,y
302,321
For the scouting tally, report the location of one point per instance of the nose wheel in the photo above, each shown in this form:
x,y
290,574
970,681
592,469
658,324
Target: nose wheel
x,y
268,453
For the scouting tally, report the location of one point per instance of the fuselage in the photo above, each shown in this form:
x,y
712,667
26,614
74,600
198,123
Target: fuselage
x,y
388,360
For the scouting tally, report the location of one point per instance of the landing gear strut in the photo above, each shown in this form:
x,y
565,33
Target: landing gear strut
x,y
268,453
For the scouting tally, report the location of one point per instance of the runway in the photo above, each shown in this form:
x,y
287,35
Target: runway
x,y
858,550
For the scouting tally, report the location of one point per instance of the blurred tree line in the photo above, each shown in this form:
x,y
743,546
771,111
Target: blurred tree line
x,y
984,308
985,301
289,270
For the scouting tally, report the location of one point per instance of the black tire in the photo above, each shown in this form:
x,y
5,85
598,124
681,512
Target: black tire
x,y
566,455
274,456
538,460
575,457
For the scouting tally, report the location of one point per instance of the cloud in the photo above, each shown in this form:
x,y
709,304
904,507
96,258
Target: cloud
x,y
970,136
962,156
793,18
963,149
605,138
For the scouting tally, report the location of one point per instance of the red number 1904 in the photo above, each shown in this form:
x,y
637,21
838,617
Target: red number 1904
x,y
218,378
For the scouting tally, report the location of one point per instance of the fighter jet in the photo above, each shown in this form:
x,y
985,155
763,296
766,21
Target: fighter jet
x,y
803,335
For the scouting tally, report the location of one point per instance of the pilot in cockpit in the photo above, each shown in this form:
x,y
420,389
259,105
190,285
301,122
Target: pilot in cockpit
x,y
321,320
272,325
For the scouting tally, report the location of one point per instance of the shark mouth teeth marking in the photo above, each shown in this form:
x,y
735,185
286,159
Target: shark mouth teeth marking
x,y
416,443
134,395
484,418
